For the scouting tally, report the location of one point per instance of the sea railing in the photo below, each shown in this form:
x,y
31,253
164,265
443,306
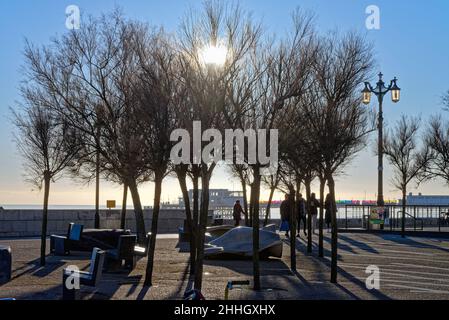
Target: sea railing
x,y
429,217
226,213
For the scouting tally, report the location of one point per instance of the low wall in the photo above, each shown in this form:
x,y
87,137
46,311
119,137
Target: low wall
x,y
27,223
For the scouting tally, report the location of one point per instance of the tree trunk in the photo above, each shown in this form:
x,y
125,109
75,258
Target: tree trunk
x,y
251,205
47,181
245,201
204,210
195,200
334,240
97,192
156,208
320,238
182,178
196,214
270,200
307,184
124,202
292,230
138,212
404,204
255,190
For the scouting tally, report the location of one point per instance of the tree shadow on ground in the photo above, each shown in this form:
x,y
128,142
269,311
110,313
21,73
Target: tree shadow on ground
x,y
413,243
341,246
301,246
324,264
277,277
34,268
186,276
358,244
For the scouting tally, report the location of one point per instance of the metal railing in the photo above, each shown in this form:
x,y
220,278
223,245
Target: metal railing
x,y
415,219
418,217
226,213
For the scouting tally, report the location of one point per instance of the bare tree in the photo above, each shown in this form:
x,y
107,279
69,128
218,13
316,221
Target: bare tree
x,y
89,71
218,27
272,182
337,119
437,139
157,90
46,144
275,73
409,162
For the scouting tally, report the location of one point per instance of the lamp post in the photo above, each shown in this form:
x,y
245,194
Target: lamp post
x,y
380,91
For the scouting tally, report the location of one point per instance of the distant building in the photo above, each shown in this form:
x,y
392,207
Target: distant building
x,y
427,200
217,198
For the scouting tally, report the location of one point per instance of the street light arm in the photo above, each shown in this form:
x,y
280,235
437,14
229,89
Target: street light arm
x,y
368,85
390,86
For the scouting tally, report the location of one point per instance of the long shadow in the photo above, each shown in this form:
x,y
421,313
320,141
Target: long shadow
x,y
413,243
341,246
52,293
301,246
34,268
358,244
178,289
134,280
341,272
278,268
55,293
351,278
143,292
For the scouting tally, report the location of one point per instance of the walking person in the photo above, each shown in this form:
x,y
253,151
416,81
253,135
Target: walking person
x,y
314,205
328,212
237,213
285,216
301,212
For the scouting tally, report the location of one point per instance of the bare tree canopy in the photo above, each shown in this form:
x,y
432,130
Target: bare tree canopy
x,y
106,99
47,146
401,149
408,160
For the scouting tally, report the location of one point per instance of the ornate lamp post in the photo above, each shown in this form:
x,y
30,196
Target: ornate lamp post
x,y
380,91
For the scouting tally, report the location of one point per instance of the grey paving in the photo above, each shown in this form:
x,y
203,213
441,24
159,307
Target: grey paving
x,y
411,268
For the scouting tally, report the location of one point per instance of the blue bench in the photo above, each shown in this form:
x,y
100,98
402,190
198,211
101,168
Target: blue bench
x,y
60,245
89,278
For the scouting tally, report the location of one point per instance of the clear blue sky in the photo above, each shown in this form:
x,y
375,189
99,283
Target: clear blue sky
x,y
411,44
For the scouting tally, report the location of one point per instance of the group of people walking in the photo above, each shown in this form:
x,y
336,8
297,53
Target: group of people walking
x,y
300,210
301,213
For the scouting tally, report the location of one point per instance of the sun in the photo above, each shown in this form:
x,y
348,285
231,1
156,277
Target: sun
x,y
214,55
